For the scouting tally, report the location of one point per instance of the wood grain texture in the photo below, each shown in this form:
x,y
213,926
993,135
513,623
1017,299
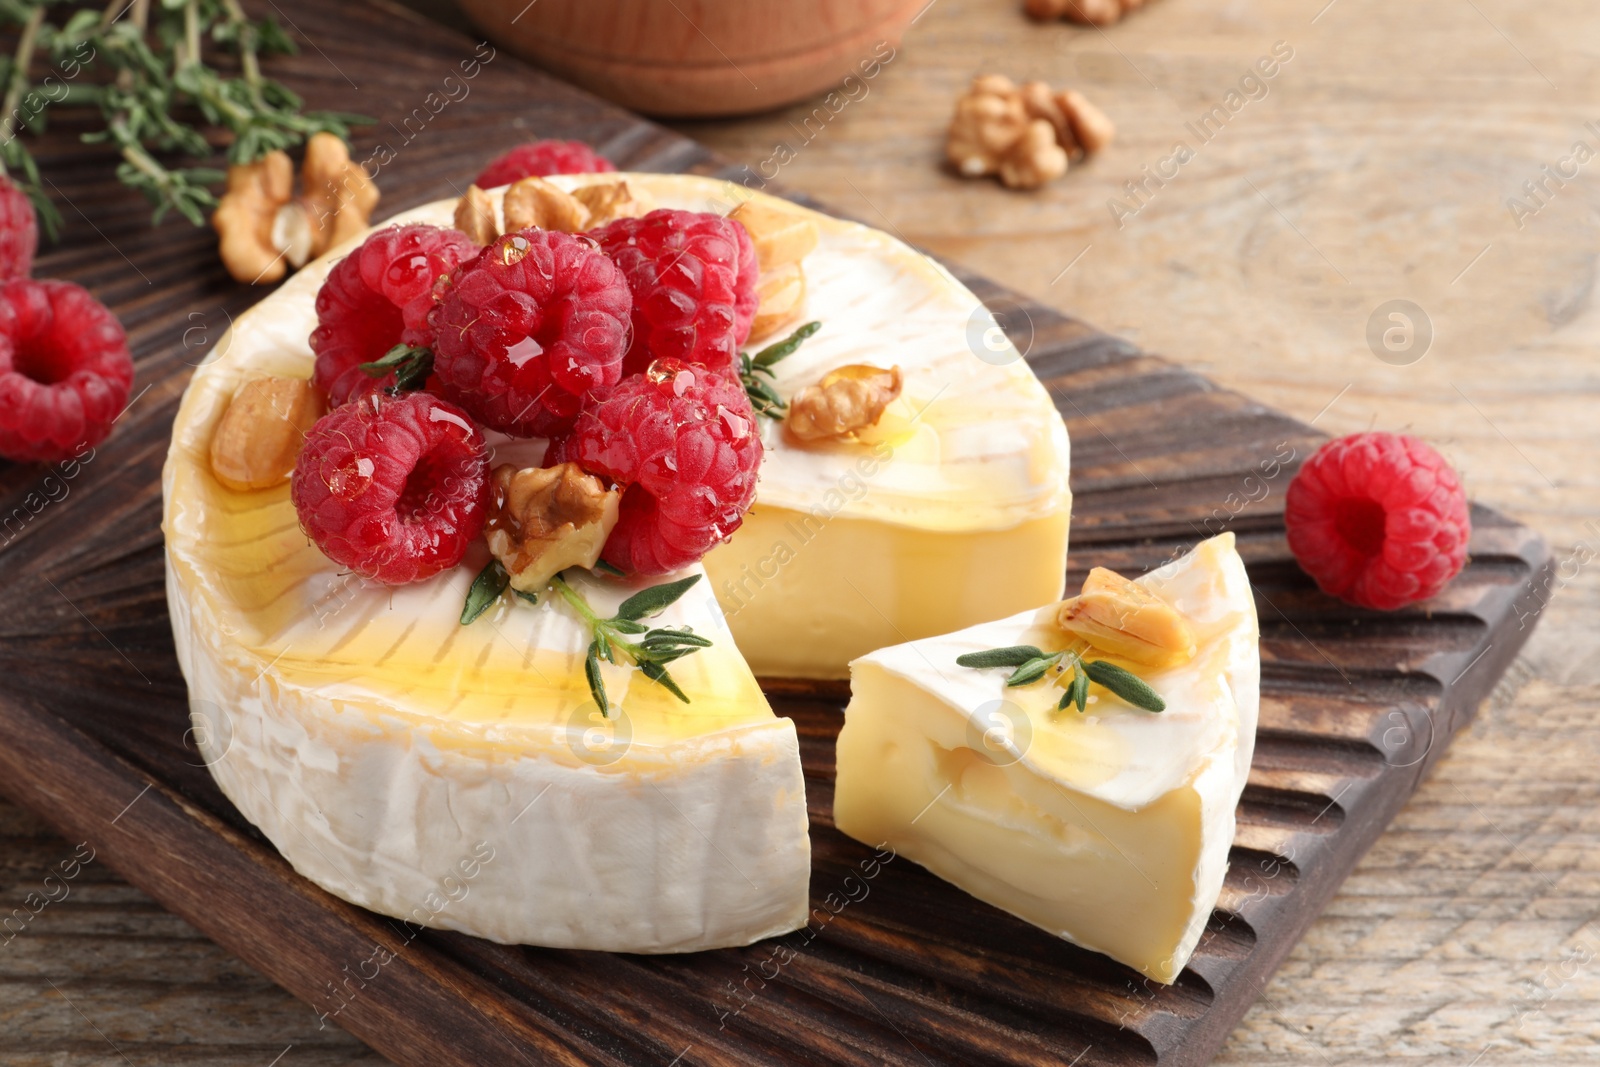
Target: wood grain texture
x,y
892,1004
1378,167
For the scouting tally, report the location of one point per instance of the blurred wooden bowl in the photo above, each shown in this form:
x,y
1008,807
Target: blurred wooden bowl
x,y
696,58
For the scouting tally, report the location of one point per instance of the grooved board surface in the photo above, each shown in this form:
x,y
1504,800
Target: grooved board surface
x,y
1356,706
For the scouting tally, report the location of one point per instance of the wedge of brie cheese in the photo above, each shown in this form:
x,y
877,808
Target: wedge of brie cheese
x,y
1109,828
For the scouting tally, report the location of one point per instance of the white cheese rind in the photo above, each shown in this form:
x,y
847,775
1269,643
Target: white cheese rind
x,y
1110,829
673,848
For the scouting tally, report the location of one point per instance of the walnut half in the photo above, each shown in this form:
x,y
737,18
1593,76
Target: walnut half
x,y
534,202
546,519
1124,619
611,200
845,402
264,229
1026,135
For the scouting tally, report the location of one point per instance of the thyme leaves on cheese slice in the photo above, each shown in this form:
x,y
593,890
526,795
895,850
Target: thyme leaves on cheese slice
x,y
1031,664
757,376
624,634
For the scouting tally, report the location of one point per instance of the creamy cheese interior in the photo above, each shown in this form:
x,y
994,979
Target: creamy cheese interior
x,y
1110,828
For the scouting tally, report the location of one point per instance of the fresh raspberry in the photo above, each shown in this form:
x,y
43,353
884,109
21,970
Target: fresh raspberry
x,y
1378,519
395,488
65,370
529,329
377,297
19,232
682,443
693,277
542,159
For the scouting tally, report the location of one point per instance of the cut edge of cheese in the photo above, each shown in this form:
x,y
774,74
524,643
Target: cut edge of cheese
x,y
1110,829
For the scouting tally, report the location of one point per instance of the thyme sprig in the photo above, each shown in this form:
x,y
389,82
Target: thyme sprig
x,y
142,64
755,371
1032,664
649,649
411,365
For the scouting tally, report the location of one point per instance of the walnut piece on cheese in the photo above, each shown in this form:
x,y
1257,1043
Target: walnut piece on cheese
x,y
1126,620
846,401
546,519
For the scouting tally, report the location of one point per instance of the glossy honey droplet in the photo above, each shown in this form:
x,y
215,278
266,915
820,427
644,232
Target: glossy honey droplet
x,y
514,249
670,373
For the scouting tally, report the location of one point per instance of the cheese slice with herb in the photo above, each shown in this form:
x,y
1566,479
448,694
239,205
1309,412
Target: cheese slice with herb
x,y
1110,827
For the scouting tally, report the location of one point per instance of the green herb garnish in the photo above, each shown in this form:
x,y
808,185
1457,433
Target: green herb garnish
x,y
411,365
651,652
757,375
151,70
486,589
1033,664
1125,684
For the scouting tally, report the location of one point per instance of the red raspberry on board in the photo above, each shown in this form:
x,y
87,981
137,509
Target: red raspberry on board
x,y
529,329
395,488
683,444
693,277
542,159
1378,519
377,297
65,370
19,231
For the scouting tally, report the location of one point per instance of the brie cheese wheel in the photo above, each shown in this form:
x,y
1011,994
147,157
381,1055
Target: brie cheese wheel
x,y
462,777
1109,828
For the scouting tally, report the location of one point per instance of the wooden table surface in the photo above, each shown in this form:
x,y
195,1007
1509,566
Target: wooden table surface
x,y
1377,166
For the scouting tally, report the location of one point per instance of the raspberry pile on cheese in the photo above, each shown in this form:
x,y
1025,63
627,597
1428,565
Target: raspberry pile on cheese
x,y
914,488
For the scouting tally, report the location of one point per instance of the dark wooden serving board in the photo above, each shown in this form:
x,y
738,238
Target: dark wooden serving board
x,y
1356,706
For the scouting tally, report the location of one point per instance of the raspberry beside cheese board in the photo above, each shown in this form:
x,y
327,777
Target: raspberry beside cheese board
x,y
889,964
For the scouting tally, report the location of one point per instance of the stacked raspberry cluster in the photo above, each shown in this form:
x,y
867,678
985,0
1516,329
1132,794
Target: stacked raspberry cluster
x,y
619,346
65,368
